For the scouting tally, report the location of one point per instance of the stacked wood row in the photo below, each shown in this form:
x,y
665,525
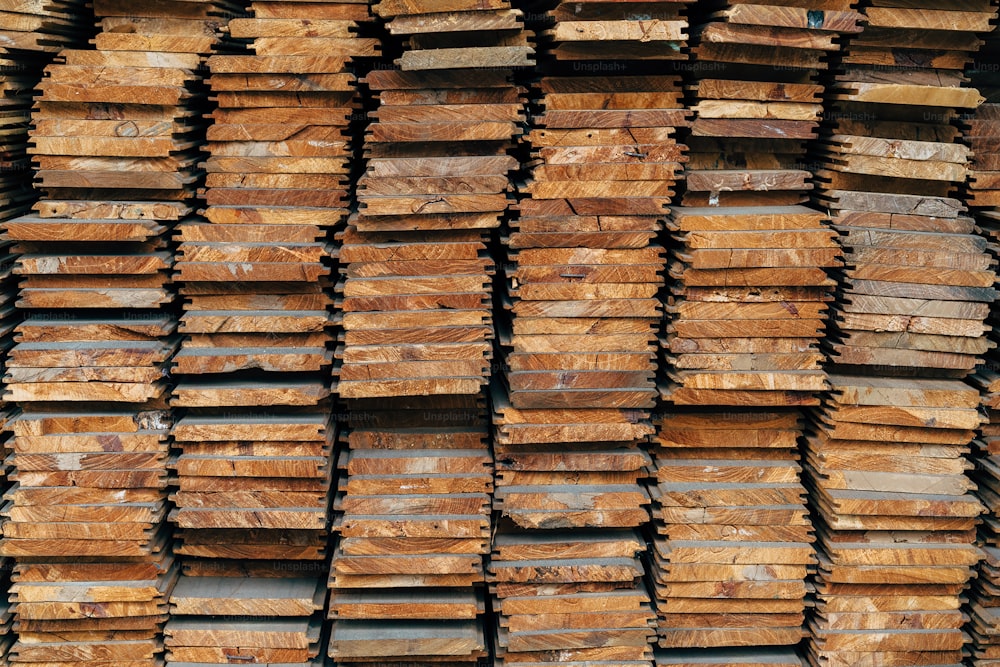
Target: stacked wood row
x,y
413,517
887,473
888,165
747,310
571,597
31,34
983,607
981,132
115,142
886,458
265,614
583,275
416,273
732,537
749,256
255,469
413,524
253,496
34,28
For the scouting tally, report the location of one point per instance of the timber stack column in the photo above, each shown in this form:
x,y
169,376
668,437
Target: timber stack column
x,y
578,334
116,139
886,456
413,515
256,433
981,133
746,311
30,38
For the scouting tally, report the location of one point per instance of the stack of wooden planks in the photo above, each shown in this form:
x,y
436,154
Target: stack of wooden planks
x,y
571,597
253,497
886,468
413,519
416,286
413,525
749,303
260,615
115,143
583,274
732,543
733,540
256,268
889,163
85,522
566,573
983,606
255,469
32,28
981,132
748,306
599,36
886,458
254,364
584,268
31,33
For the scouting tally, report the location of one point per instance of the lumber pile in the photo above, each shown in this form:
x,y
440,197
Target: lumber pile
x,y
983,606
257,616
255,269
413,519
886,463
255,469
886,459
732,538
598,36
416,274
566,573
981,132
31,33
253,365
252,503
748,307
571,597
584,268
116,149
733,541
31,29
749,256
583,274
413,524
889,163
85,522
